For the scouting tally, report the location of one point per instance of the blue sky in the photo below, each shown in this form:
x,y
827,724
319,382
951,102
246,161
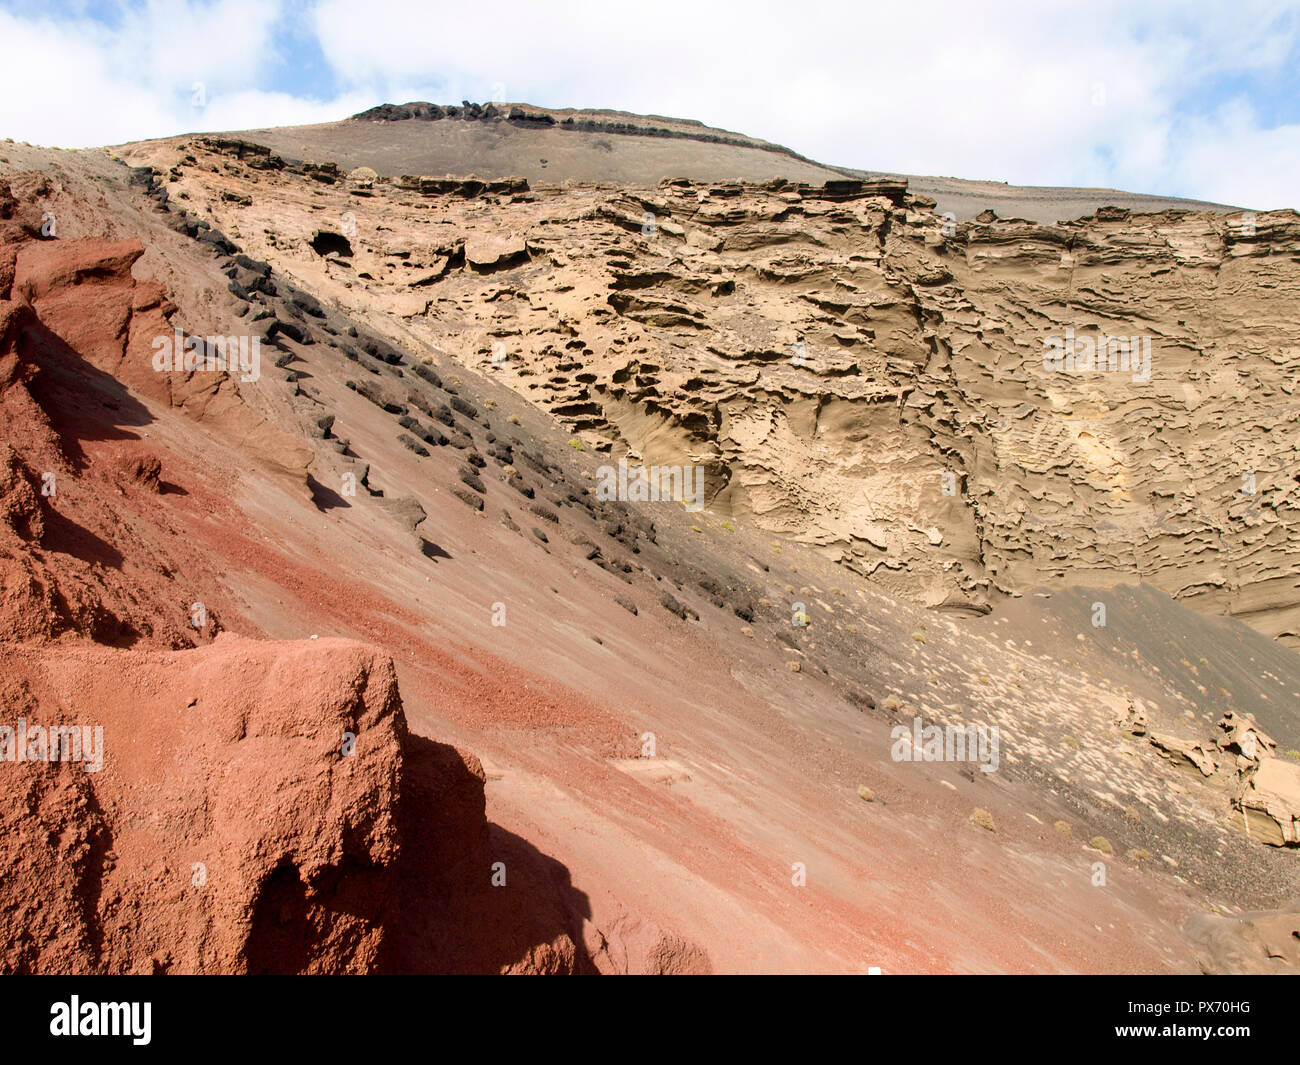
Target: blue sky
x,y
1181,98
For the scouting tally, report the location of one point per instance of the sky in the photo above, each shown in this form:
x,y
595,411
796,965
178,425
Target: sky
x,y
1173,97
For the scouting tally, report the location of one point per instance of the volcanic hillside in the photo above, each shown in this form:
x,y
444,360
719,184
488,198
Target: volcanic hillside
x,y
615,147
386,686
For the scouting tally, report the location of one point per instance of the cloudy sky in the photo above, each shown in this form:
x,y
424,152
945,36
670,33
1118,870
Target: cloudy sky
x,y
1182,98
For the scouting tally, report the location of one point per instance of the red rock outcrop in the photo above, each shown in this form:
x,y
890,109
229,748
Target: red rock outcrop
x,y
84,293
241,816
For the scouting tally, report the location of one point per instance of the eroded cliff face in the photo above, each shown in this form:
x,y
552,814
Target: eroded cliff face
x,y
851,369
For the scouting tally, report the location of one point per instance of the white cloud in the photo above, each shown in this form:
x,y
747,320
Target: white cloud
x,y
77,83
1235,161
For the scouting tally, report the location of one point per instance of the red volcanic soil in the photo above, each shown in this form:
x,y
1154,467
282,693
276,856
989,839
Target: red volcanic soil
x,y
301,797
